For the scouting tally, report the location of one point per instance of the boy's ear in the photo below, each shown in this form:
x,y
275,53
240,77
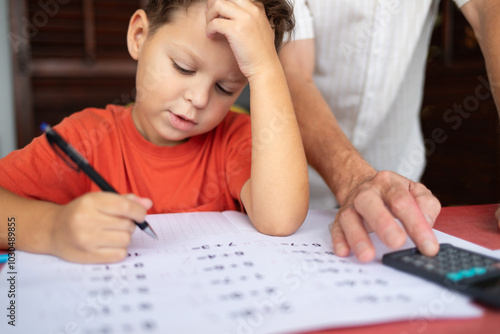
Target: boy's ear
x,y
137,33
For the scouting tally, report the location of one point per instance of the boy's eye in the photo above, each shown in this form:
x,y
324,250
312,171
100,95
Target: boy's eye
x,y
181,70
223,91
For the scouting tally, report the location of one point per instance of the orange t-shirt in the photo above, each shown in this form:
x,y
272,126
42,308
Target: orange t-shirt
x,y
204,174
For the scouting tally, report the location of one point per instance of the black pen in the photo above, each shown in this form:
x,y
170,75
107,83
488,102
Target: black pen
x,y
54,138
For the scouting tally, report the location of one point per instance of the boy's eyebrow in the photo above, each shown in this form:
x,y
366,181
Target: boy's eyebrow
x,y
198,60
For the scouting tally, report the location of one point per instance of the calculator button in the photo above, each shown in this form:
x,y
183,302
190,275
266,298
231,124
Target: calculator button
x,y
418,263
455,276
407,258
441,272
429,266
468,272
480,270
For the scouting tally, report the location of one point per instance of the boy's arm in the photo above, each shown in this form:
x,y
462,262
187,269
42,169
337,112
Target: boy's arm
x,y
30,223
276,197
95,227
369,200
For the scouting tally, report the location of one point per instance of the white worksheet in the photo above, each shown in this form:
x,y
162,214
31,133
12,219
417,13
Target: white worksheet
x,y
214,273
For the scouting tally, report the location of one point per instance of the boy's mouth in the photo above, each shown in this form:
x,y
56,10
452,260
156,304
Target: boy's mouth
x,y
181,122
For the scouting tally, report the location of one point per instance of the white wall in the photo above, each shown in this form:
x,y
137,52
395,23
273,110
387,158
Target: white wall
x,y
7,125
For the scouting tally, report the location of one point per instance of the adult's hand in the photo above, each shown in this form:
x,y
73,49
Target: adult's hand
x,y
370,200
374,204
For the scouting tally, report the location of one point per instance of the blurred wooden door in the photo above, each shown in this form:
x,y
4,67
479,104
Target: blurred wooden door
x,y
459,117
68,55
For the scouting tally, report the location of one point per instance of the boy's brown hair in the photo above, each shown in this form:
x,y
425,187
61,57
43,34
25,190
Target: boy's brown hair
x,y
279,13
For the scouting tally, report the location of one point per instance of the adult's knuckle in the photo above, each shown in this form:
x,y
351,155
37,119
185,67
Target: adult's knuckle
x,y
384,176
363,197
400,204
345,214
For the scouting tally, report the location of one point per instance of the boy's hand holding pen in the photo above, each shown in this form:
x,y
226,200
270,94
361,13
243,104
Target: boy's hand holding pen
x,y
97,226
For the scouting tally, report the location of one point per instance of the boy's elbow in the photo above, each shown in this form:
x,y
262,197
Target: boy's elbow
x,y
282,224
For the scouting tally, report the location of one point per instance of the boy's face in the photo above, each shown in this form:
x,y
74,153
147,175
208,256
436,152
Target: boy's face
x,y
186,83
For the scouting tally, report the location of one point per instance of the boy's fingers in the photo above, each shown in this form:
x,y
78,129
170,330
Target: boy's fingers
x,y
105,255
228,10
116,239
121,206
145,202
223,9
121,224
98,255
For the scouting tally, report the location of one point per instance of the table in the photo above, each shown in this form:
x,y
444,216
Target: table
x,y
476,224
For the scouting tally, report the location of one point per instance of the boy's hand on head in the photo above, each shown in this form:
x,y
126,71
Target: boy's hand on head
x,y
97,227
245,25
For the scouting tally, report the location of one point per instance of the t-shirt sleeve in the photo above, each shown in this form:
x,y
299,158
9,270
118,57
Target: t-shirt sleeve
x,y
304,22
37,172
239,154
460,3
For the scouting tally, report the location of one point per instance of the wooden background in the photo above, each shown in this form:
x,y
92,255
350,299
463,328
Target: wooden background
x,y
72,54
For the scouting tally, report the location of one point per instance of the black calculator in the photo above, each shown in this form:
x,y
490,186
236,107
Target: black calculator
x,y
470,273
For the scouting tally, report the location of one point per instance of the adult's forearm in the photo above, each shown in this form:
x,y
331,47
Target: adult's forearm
x,y
328,150
491,49
484,17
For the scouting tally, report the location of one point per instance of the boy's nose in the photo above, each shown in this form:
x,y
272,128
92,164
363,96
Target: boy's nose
x,y
198,96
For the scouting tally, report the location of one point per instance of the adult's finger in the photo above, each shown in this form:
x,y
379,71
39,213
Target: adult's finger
x,y
403,204
427,202
350,231
371,205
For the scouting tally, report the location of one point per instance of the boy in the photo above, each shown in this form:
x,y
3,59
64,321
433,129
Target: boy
x,y
177,148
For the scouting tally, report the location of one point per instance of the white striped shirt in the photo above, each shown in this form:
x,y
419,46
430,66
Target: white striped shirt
x,y
370,67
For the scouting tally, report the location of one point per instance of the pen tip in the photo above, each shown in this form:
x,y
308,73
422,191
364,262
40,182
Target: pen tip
x,y
150,231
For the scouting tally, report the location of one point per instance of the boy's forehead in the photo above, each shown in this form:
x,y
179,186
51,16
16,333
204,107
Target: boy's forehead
x,y
185,37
